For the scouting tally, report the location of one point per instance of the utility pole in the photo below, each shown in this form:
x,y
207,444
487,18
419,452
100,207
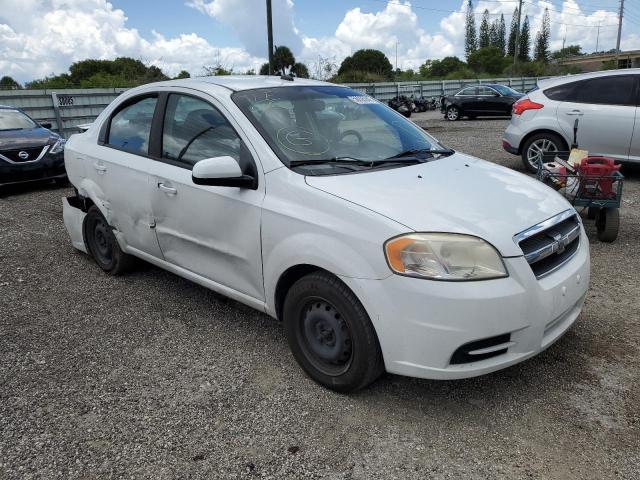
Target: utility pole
x,y
517,42
598,36
396,55
270,35
619,31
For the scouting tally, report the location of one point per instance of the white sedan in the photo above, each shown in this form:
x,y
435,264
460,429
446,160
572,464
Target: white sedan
x,y
376,246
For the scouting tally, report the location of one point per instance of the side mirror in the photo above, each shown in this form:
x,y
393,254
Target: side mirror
x,y
46,125
221,172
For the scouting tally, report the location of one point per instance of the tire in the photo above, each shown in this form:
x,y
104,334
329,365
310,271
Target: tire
x,y
330,334
541,144
102,244
608,224
592,212
453,113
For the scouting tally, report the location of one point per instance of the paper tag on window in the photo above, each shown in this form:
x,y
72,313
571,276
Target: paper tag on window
x,y
362,99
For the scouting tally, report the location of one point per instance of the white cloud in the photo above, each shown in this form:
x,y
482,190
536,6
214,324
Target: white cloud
x,y
40,37
249,22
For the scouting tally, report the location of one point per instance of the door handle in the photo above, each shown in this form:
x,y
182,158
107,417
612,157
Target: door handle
x,y
167,190
100,168
576,113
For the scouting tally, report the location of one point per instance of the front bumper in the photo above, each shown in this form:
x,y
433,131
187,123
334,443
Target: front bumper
x,y
49,167
421,323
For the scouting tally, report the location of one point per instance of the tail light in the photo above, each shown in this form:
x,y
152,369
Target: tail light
x,y
525,104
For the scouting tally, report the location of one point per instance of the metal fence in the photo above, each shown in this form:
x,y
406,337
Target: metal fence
x,y
65,109
436,88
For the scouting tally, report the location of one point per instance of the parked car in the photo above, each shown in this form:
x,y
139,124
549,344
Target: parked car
x,y
480,100
29,151
377,247
605,104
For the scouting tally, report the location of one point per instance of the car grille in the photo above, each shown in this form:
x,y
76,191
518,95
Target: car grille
x,y
550,244
32,154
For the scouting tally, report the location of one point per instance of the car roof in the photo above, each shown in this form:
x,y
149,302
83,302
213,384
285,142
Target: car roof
x,y
243,82
550,82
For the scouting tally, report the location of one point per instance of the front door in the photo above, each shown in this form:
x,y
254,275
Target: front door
x,y
211,231
606,110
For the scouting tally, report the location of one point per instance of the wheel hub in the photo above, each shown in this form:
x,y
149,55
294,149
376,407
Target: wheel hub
x,y
326,335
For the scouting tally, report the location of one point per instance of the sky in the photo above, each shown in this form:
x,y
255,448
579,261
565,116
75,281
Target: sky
x,y
43,37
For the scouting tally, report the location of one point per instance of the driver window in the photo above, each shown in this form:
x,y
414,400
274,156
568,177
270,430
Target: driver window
x,y
194,130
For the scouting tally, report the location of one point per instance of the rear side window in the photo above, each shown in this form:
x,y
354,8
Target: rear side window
x,y
469,91
194,130
607,91
131,126
619,90
560,93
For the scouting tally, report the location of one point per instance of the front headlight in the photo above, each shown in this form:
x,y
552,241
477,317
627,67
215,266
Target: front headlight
x,y
444,256
58,146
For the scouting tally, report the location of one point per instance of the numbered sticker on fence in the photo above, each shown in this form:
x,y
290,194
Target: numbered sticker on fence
x,y
65,101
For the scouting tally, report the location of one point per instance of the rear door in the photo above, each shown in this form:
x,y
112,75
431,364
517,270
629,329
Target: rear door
x,y
467,99
605,108
120,168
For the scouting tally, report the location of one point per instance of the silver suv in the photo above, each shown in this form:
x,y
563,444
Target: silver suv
x,y
605,103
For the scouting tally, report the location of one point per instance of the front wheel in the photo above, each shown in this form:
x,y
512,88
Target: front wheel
x,y
453,114
102,244
330,334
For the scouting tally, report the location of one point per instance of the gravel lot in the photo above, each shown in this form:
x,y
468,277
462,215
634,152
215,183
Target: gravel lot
x,y
150,376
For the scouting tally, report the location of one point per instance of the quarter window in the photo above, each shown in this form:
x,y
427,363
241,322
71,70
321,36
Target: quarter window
x,y
468,92
194,130
130,127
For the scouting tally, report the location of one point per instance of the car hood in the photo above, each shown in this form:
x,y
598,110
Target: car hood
x,y
33,137
458,194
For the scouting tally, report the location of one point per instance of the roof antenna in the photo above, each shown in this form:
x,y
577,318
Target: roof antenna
x,y
287,77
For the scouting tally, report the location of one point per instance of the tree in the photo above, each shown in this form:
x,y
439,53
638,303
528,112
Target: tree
x,y
568,51
502,32
8,83
484,36
183,74
283,60
264,69
369,61
488,60
541,53
494,41
441,68
513,33
300,70
470,37
525,41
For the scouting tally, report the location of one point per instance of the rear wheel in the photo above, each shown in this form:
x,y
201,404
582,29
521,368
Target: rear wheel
x,y
453,113
608,224
102,244
330,333
540,148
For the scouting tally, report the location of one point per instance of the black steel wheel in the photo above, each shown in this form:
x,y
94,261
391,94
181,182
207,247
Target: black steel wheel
x,y
330,333
102,244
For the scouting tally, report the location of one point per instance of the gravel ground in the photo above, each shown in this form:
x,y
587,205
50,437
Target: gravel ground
x,y
150,376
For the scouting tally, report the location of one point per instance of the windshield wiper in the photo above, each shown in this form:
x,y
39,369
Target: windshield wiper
x,y
339,160
411,153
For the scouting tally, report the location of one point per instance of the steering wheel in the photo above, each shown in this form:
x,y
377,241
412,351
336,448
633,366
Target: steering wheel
x,y
350,133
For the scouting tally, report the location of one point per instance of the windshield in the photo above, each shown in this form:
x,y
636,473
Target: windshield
x,y
15,120
504,90
306,124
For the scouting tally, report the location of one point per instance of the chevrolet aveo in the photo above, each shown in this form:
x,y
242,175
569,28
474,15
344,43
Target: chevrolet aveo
x,y
375,245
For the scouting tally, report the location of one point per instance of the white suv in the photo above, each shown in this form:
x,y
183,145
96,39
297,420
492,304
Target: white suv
x,y
377,247
605,103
